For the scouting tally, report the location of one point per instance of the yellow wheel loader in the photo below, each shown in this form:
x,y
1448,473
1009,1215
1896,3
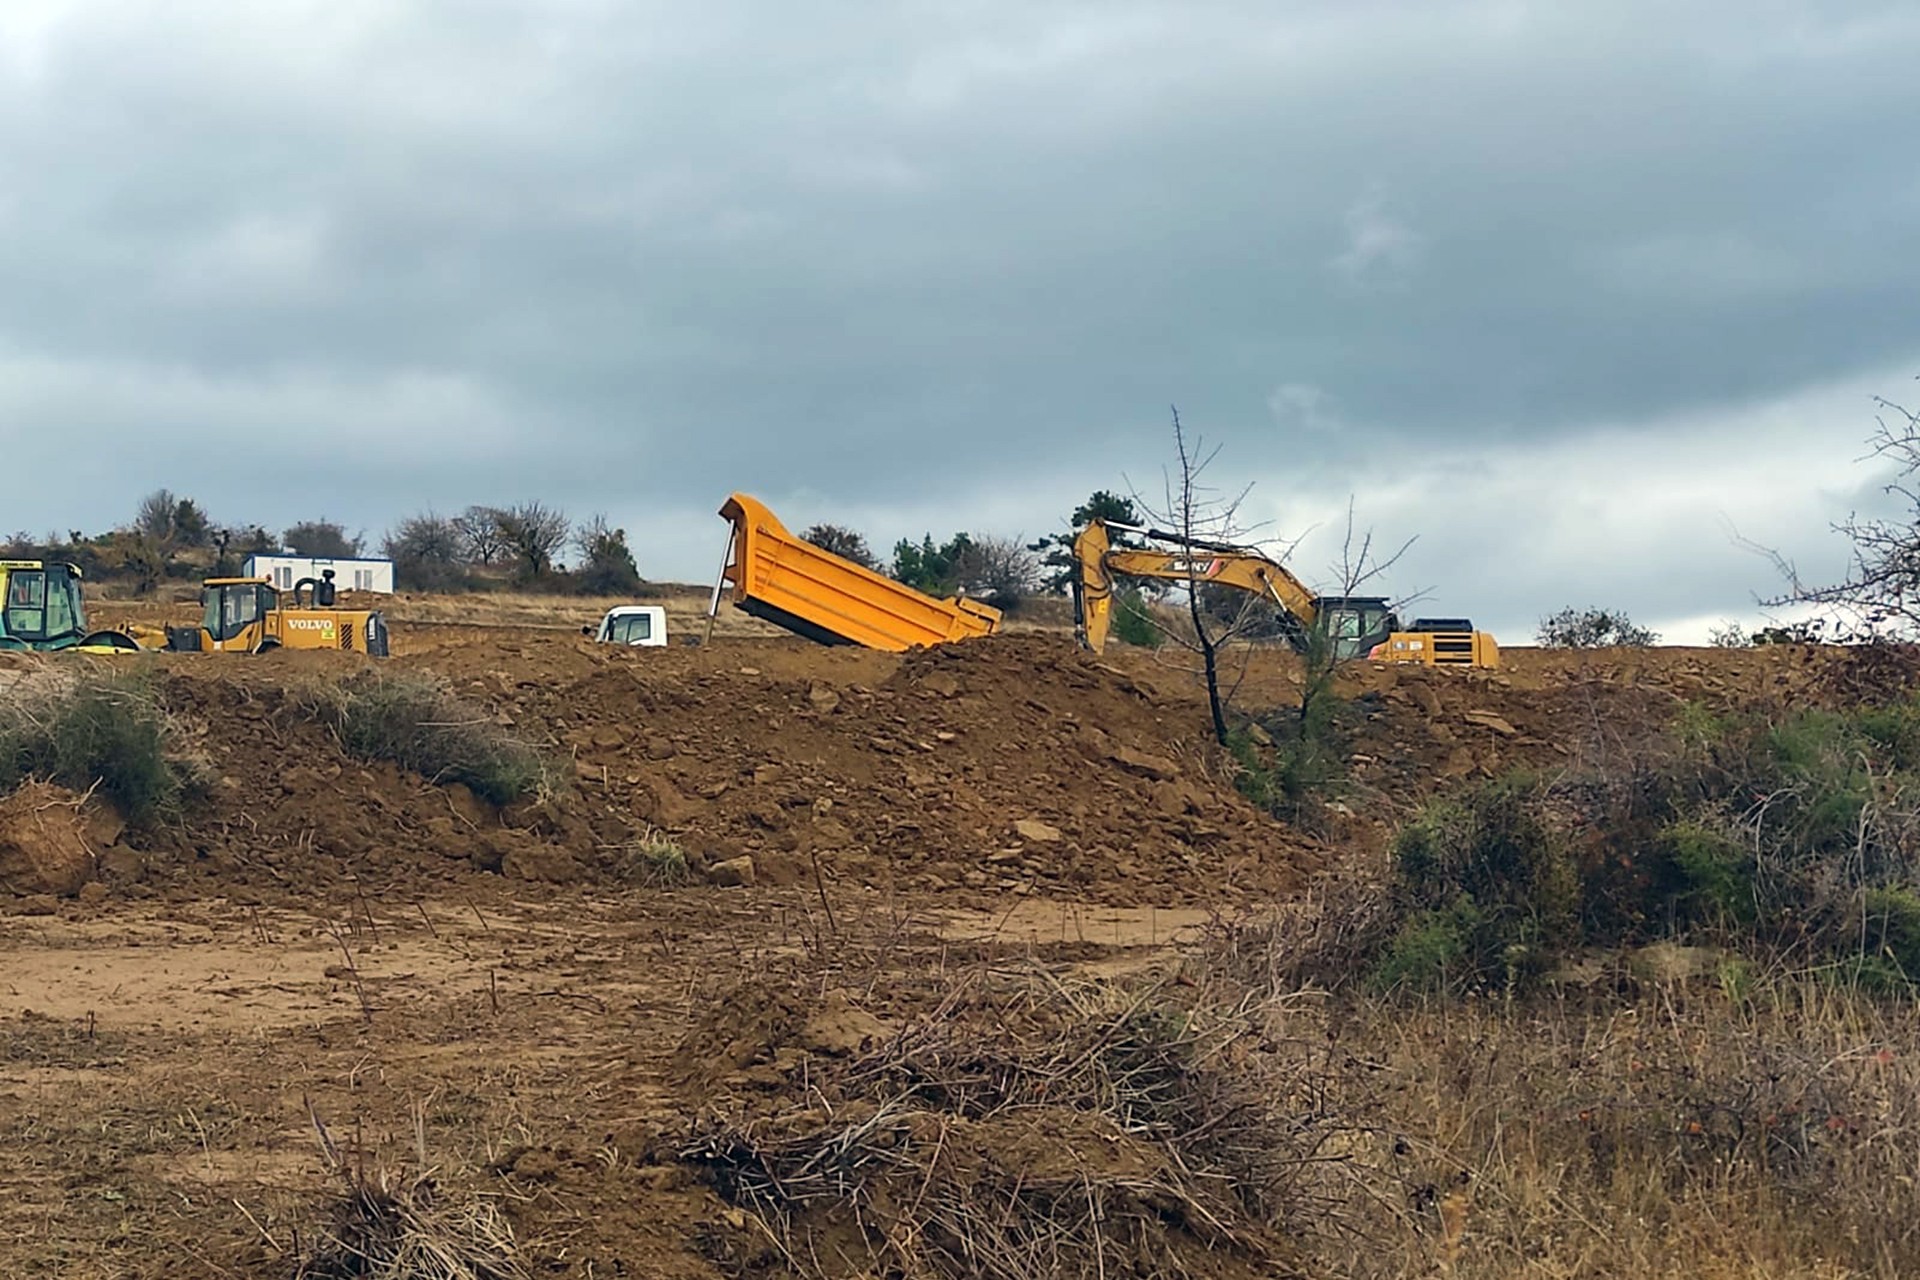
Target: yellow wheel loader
x,y
1357,626
248,615
41,609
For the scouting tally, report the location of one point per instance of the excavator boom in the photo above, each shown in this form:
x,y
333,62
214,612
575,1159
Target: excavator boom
x,y
1191,561
791,583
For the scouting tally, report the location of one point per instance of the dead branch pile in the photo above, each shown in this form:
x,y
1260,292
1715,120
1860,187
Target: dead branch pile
x,y
1088,1132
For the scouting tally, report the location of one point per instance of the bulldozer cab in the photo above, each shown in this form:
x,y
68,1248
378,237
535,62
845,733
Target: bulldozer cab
x,y
40,605
41,608
1355,624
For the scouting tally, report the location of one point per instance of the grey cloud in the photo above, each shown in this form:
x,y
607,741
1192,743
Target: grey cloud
x,y
922,258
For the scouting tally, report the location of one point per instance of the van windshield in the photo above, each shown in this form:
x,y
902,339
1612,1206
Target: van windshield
x,y
635,628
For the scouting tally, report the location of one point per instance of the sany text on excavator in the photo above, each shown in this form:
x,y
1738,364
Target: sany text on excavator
x,y
1359,626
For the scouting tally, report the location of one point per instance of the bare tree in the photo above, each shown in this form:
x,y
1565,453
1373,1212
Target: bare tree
x,y
155,516
1206,520
425,550
1200,516
478,529
846,543
1880,594
1001,571
322,539
534,534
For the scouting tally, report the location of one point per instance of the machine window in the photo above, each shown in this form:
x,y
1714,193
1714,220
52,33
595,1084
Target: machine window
x,y
632,630
229,609
27,603
63,614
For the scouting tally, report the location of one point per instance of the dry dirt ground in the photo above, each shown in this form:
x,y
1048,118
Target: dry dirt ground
x,y
335,963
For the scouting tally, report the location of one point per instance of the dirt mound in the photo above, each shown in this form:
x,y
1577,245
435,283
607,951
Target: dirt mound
x,y
1012,764
43,841
290,811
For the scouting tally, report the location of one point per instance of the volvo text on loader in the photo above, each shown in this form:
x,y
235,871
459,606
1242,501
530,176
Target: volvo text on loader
x,y
1359,626
248,615
41,608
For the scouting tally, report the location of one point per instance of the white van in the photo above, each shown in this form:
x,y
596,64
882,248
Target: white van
x,y
631,624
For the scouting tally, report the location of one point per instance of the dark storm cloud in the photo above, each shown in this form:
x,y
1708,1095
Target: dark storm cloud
x,y
939,264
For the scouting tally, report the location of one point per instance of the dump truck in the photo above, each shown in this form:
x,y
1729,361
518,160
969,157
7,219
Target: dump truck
x,y
790,582
248,615
1356,626
42,608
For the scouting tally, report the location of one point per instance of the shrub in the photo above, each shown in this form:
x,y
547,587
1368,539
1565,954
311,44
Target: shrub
x,y
1488,887
1593,629
1294,772
1787,830
417,724
1887,954
105,733
1433,951
656,860
1131,622
1716,874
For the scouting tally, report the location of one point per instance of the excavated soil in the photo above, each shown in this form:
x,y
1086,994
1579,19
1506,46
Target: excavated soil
x,y
1011,766
936,843
43,841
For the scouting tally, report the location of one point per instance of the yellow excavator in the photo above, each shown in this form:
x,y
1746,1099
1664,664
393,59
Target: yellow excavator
x,y
1358,626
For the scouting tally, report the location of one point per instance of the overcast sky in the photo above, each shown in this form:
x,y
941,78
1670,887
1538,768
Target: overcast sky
x,y
1568,289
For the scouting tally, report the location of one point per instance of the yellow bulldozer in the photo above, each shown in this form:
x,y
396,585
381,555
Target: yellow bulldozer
x,y
249,615
1356,626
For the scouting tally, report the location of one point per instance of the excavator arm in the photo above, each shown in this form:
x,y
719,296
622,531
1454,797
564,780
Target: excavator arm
x,y
1098,563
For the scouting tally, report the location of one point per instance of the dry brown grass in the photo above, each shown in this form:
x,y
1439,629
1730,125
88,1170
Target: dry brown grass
x,y
390,1225
1731,1127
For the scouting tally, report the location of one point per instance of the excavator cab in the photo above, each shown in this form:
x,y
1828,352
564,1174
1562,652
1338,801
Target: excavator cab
x,y
41,608
1355,624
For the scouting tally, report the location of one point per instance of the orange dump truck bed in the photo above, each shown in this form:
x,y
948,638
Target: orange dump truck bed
x,y
792,583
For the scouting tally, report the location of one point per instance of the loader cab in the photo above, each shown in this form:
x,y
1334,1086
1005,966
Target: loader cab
x,y
40,605
1355,623
235,613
